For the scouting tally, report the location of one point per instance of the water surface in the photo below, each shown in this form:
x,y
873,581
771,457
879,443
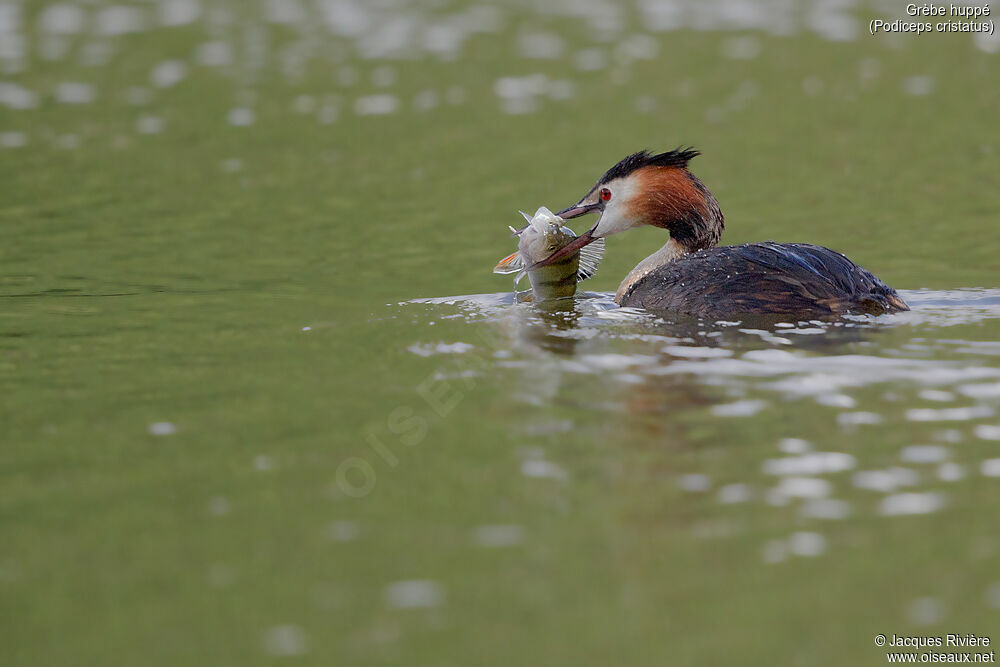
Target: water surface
x,y
245,419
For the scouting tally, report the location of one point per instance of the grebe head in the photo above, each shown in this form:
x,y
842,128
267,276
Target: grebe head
x,y
649,189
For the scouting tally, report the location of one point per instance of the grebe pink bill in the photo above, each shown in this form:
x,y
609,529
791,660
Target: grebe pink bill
x,y
544,234
691,275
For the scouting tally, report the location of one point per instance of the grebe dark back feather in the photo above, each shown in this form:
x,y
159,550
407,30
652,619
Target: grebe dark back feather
x,y
690,275
765,278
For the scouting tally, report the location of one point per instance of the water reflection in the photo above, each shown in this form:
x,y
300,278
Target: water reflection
x,y
289,37
662,381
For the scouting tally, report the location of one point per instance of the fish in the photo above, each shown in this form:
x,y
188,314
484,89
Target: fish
x,y
544,234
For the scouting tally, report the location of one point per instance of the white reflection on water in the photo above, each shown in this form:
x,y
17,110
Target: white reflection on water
x,y
542,469
885,480
162,428
13,139
911,503
118,20
734,493
15,96
993,595
817,463
739,408
219,506
799,487
74,92
241,117
591,59
440,348
926,611
987,432
984,390
541,45
825,508
500,535
426,100
168,73
376,105
807,544
794,446
803,543
214,54
61,19
950,414
343,531
936,395
414,594
179,12
950,472
924,454
918,86
286,641
149,125
852,419
694,482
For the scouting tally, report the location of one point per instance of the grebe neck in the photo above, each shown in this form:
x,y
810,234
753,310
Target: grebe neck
x,y
670,251
680,203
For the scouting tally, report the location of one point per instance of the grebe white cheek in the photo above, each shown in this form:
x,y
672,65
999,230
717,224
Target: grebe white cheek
x,y
619,213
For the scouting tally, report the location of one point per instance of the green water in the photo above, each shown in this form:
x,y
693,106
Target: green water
x,y
230,438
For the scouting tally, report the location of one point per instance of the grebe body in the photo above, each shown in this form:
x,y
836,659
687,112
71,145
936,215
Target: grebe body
x,y
762,278
690,274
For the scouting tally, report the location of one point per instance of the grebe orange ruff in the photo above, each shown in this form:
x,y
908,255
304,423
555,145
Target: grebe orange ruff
x,y
691,275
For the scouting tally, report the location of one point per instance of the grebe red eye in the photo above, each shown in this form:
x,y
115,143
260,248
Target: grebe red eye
x,y
605,194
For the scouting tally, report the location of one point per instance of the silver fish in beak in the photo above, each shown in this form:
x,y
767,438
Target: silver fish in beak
x,y
544,235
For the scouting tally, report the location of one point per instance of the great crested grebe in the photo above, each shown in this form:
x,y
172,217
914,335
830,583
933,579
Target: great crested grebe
x,y
691,275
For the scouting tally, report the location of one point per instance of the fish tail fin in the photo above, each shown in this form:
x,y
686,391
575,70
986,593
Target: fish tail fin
x,y
512,263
